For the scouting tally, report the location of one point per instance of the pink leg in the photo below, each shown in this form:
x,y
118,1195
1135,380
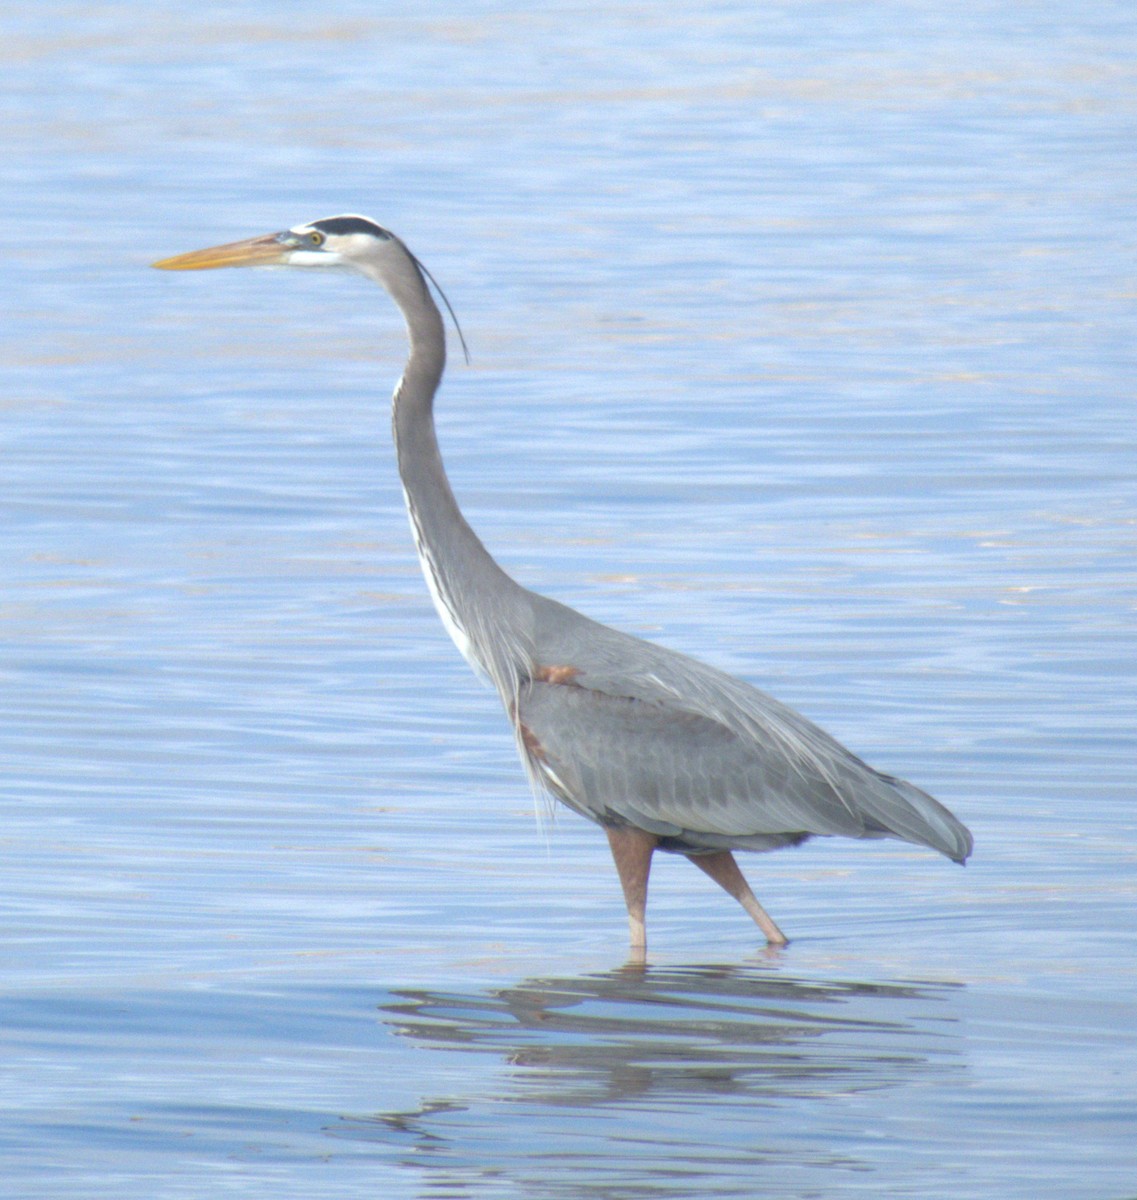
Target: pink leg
x,y
722,868
632,850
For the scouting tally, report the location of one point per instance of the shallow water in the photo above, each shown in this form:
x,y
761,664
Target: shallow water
x,y
802,341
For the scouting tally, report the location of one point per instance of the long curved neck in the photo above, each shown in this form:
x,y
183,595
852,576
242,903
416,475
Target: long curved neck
x,y
486,612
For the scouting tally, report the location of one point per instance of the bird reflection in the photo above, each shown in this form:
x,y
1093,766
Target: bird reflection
x,y
581,1062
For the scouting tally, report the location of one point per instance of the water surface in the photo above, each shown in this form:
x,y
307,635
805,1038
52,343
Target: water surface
x,y
802,342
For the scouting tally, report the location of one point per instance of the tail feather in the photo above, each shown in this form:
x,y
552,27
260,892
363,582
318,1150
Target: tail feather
x,y
900,809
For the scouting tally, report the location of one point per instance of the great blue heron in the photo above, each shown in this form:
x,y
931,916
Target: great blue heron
x,y
662,751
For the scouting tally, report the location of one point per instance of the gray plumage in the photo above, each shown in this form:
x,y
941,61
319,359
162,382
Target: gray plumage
x,y
655,739
661,750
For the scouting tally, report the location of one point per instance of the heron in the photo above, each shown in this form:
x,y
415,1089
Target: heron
x,y
662,751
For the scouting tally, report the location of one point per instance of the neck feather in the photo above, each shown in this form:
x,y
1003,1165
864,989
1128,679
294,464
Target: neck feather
x,y
486,613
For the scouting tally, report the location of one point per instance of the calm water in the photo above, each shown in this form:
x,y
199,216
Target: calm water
x,y
802,341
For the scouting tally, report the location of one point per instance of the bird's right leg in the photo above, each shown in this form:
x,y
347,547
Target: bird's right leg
x,y
722,868
632,850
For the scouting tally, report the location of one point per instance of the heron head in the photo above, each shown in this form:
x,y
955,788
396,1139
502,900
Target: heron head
x,y
344,241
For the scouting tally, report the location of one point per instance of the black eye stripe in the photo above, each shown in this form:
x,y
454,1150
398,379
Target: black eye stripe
x,y
343,225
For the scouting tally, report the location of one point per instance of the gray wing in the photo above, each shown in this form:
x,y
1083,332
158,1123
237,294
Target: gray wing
x,y
630,732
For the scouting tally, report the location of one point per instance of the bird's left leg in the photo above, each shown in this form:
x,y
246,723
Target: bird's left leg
x,y
722,868
632,850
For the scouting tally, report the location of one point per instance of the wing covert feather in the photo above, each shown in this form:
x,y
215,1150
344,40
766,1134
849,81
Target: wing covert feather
x,y
669,770
624,728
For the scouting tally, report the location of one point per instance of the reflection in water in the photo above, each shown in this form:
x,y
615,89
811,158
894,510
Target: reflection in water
x,y
655,1082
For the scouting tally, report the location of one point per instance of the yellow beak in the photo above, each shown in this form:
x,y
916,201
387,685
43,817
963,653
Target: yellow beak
x,y
253,252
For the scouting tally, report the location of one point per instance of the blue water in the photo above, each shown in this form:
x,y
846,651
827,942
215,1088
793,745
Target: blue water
x,y
802,341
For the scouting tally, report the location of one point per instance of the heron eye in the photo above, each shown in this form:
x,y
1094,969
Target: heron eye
x,y
317,239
